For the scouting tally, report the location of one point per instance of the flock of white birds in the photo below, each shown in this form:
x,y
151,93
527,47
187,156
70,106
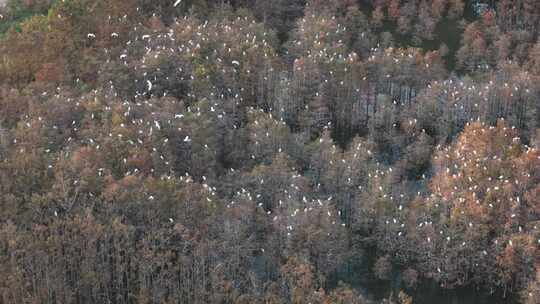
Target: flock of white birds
x,y
215,43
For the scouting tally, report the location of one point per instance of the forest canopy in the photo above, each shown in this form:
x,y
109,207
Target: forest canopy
x,y
257,151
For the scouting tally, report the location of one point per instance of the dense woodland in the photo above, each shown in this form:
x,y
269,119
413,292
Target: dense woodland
x,y
257,151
